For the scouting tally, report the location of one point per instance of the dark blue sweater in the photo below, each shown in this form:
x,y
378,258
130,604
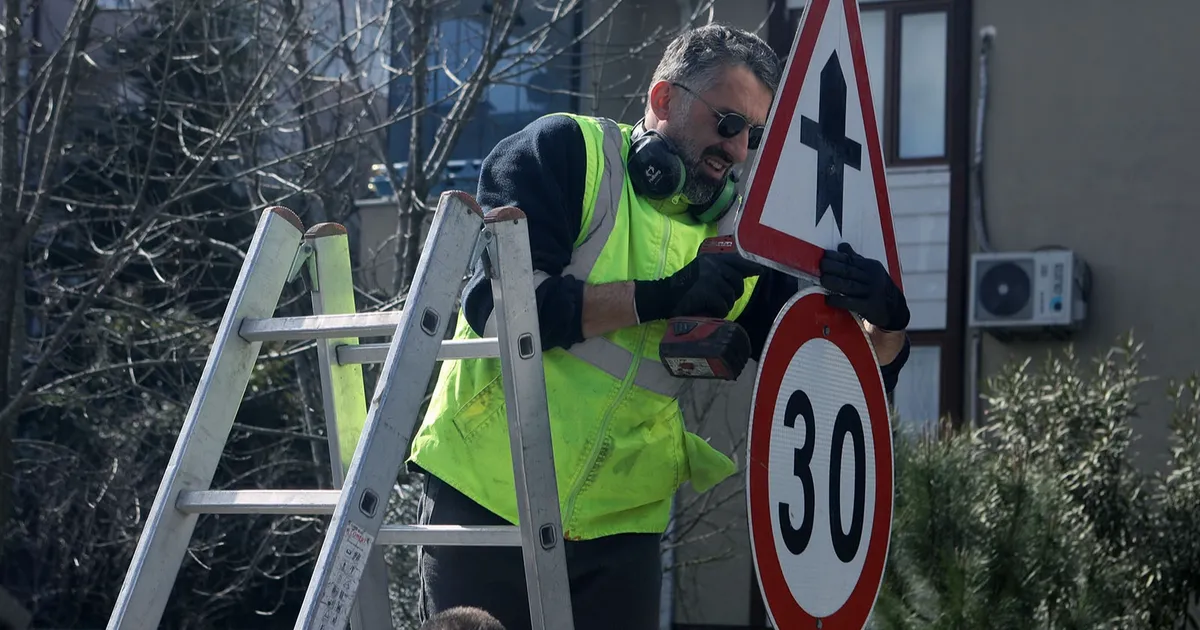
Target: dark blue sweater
x,y
540,170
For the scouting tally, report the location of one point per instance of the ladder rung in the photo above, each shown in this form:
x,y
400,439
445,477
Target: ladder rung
x,y
258,501
320,326
450,535
454,349
358,325
309,502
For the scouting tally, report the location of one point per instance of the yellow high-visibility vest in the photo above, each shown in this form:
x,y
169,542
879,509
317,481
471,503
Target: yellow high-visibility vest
x,y
620,446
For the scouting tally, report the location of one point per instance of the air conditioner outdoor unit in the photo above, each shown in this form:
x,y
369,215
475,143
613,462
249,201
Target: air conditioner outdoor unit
x,y
1029,294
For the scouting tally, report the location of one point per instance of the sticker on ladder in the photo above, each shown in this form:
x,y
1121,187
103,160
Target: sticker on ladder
x,y
333,611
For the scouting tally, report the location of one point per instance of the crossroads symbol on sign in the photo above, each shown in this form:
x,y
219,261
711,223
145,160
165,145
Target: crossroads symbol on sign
x,y
828,137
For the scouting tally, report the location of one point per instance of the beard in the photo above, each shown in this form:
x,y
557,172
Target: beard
x,y
701,188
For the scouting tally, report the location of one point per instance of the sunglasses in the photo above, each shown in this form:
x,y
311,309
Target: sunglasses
x,y
729,124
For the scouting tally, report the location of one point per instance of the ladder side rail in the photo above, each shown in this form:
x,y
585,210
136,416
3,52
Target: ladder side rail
x,y
167,531
343,392
393,413
540,520
344,398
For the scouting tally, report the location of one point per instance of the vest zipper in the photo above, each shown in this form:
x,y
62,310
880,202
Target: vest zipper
x,y
569,512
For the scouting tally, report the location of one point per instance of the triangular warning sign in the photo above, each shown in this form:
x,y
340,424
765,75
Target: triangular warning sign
x,y
819,179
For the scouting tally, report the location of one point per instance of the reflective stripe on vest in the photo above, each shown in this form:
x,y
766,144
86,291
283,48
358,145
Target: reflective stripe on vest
x,y
599,351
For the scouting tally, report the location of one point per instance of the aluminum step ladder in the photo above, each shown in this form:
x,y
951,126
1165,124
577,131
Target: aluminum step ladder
x,y
349,581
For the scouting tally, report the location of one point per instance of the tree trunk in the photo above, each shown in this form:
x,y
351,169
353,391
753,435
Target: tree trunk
x,y
413,187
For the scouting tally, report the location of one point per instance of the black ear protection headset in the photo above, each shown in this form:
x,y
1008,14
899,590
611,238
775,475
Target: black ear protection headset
x,y
656,171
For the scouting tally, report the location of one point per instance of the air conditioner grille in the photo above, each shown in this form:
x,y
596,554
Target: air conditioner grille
x,y
1005,289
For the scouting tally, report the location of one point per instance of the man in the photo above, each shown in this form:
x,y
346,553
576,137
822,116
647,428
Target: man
x,y
615,216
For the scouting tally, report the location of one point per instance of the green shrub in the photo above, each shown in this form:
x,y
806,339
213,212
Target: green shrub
x,y
1041,519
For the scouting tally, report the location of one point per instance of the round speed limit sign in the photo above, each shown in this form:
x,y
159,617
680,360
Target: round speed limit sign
x,y
819,486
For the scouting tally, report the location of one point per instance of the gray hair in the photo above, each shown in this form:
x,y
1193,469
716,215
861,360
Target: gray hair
x,y
696,56
462,618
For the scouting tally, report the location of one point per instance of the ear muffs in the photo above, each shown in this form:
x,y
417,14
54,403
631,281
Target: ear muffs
x,y
656,171
721,204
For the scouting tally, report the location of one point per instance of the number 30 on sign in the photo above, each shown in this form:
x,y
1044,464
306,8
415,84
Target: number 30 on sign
x,y
820,469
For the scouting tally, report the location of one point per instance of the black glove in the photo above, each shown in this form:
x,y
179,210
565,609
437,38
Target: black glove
x,y
864,286
707,287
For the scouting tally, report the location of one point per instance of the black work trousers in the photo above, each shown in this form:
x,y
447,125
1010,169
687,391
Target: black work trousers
x,y
614,581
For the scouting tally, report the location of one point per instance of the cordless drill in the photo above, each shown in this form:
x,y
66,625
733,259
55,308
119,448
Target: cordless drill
x,y
705,347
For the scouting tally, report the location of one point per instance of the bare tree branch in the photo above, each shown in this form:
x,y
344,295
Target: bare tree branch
x,y
137,148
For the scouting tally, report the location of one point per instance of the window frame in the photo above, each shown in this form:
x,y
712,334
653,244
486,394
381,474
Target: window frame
x,y
933,339
894,12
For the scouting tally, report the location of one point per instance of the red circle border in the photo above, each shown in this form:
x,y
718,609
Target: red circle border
x,y
806,319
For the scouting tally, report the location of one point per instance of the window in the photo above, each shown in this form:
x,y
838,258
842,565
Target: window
x,y
917,398
922,92
907,45
537,76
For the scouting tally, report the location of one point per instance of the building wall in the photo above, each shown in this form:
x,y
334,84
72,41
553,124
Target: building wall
x,y
622,52
1090,144
920,199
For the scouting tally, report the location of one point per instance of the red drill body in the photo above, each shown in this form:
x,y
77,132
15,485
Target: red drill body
x,y
706,347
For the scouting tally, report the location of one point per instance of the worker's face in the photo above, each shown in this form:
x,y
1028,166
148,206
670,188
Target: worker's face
x,y
695,127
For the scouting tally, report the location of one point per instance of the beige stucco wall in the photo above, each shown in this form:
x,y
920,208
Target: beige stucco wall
x,y
1091,139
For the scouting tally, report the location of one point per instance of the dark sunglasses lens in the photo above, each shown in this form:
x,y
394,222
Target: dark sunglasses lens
x,y
755,137
731,125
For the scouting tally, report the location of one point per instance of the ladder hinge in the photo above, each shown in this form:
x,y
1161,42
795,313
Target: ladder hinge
x,y
304,255
481,253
